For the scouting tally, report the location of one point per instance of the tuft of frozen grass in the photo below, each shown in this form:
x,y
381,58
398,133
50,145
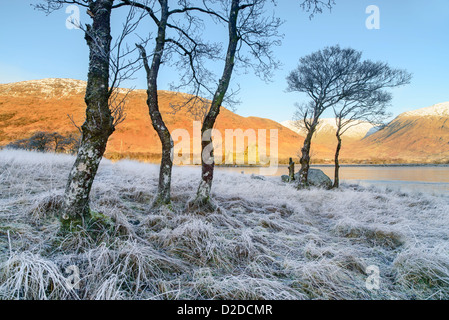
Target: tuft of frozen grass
x,y
109,289
26,275
45,204
424,271
241,287
377,234
266,240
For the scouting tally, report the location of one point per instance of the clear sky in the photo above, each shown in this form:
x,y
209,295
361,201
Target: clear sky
x,y
413,34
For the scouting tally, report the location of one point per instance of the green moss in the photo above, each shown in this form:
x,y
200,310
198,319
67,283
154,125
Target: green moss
x,y
95,222
202,205
100,217
160,202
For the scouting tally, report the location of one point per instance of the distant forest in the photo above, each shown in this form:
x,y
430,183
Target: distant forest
x,y
48,142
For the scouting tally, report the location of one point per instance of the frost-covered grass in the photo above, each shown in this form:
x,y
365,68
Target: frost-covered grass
x,y
266,241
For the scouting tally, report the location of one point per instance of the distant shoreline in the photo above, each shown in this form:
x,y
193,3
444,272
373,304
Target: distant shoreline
x,y
386,165
343,165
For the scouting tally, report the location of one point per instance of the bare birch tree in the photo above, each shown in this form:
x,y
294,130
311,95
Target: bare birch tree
x,y
337,78
251,34
104,110
172,38
351,113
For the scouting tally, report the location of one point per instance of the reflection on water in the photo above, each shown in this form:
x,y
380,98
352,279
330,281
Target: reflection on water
x,y
432,179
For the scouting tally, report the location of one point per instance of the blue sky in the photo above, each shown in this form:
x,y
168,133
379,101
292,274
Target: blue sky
x,y
413,34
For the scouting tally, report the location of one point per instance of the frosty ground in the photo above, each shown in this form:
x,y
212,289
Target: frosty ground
x,y
266,241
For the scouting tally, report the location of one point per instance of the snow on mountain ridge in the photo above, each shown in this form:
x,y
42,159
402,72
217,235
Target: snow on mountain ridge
x,y
59,87
439,109
48,87
328,125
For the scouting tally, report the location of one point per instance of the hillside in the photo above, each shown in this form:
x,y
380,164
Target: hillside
x,y
419,136
325,132
44,105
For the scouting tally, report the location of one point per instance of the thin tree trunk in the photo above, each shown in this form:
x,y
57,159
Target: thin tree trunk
x,y
99,122
207,163
291,170
203,199
305,158
337,162
163,193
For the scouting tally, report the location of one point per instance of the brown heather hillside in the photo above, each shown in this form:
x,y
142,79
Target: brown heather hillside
x,y
420,136
416,136
44,105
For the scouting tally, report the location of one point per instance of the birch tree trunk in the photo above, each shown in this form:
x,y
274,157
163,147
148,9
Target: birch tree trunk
x,y
98,125
163,193
305,159
337,162
291,170
203,196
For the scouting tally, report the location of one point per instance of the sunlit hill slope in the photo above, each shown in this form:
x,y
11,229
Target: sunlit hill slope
x,y
44,105
420,136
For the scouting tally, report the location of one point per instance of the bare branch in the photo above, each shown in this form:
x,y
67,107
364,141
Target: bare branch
x,y
48,6
74,123
317,6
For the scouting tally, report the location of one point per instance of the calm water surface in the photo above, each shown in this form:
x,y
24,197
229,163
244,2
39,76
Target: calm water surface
x,y
429,179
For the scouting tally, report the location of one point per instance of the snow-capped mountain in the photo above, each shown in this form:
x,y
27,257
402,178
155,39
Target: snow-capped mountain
x,y
327,128
415,136
43,105
44,88
437,110
422,133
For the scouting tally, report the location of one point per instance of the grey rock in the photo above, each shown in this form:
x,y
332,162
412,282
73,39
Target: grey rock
x,y
317,178
253,176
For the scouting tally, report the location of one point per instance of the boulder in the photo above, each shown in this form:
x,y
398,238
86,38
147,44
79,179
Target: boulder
x,y
257,177
317,178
